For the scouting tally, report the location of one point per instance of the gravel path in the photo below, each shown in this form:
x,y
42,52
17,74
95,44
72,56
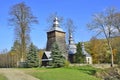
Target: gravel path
x,y
16,74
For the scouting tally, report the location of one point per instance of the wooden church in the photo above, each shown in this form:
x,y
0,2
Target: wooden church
x,y
55,34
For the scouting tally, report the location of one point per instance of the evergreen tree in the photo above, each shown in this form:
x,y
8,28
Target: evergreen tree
x,y
58,59
79,57
32,56
16,49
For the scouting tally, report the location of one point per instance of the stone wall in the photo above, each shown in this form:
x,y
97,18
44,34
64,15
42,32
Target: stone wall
x,y
102,66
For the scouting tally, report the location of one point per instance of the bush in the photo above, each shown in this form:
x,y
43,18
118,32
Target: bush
x,y
109,74
66,63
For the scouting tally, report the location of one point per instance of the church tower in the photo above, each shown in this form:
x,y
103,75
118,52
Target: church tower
x,y
71,49
56,34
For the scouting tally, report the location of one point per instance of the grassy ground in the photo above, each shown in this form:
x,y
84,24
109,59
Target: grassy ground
x,y
71,73
2,77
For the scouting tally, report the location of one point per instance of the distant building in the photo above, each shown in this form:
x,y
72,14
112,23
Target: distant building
x,y
71,49
88,57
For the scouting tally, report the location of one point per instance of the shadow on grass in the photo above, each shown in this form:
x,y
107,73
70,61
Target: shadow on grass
x,y
88,71
50,67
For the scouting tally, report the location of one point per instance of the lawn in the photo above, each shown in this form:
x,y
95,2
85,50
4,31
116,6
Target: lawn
x,y
71,73
2,77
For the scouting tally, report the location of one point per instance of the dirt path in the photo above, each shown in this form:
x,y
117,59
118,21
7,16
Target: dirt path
x,y
15,74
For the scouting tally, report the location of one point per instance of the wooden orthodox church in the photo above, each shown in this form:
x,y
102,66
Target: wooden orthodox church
x,y
55,34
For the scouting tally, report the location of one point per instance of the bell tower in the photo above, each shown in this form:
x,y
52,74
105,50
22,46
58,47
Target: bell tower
x,y
56,34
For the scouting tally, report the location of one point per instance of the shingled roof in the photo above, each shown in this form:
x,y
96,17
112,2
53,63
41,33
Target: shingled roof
x,y
47,56
56,26
71,46
84,51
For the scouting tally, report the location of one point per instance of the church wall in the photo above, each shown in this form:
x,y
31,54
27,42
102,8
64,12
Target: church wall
x,y
59,37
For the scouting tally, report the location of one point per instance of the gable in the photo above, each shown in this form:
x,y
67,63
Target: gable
x,y
44,56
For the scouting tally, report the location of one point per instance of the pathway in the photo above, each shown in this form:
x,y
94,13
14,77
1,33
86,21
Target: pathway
x,y
16,74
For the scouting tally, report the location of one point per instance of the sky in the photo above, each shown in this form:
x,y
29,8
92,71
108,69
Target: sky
x,y
80,11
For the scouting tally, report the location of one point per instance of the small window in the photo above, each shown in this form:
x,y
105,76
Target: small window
x,y
88,59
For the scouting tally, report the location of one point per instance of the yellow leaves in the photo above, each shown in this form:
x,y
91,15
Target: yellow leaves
x,y
12,53
114,51
40,54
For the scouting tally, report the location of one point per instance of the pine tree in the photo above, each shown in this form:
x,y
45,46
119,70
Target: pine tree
x,y
58,59
32,56
79,57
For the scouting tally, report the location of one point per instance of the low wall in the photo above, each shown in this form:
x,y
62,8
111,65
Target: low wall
x,y
102,65
95,65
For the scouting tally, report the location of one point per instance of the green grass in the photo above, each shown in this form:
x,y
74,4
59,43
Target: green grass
x,y
2,77
71,73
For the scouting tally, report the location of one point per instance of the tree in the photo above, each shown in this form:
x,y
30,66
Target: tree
x,y
94,48
40,54
4,59
32,56
116,49
79,57
22,18
16,50
57,57
116,20
102,23
70,27
99,50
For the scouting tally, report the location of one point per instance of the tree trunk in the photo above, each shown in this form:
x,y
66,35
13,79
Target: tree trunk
x,y
110,48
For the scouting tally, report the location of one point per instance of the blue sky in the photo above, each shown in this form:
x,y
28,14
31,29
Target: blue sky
x,y
80,11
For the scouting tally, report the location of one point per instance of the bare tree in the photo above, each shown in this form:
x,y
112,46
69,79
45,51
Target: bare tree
x,y
103,23
21,18
70,27
117,21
